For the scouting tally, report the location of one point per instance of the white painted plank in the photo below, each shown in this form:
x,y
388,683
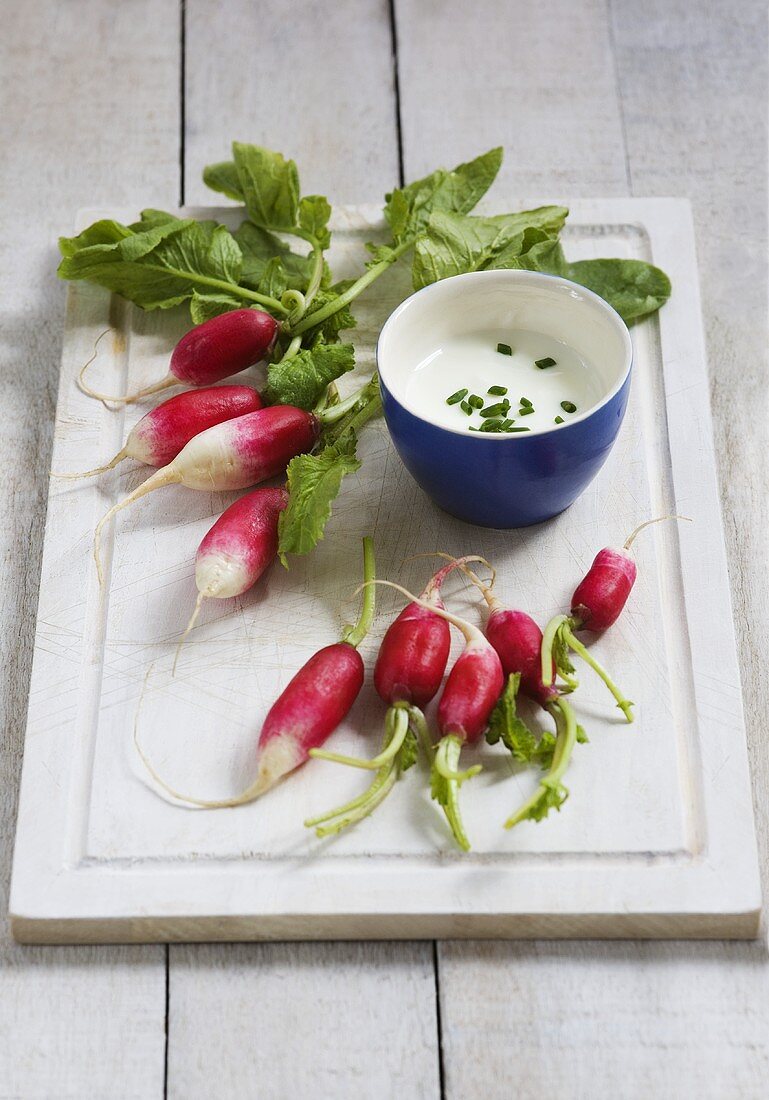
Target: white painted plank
x,y
625,1021
628,1020
303,1020
89,112
312,80
537,78
316,82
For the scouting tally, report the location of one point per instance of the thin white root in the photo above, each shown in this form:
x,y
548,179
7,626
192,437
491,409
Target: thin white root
x,y
98,470
190,624
647,523
463,558
470,632
163,384
259,786
165,476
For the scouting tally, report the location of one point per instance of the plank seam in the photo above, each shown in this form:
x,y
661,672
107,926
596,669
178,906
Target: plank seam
x,y
167,1020
439,1022
396,89
182,89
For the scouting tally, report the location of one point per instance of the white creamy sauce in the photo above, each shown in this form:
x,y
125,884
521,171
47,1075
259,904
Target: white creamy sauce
x,y
473,362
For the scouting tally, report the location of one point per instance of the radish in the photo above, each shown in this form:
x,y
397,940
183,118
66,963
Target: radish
x,y
211,351
308,710
161,433
469,696
238,548
408,673
597,603
517,639
232,455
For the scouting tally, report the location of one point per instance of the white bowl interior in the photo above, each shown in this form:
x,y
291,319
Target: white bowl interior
x,y
488,301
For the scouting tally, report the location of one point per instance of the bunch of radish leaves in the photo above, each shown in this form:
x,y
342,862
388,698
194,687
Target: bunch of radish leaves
x,y
162,261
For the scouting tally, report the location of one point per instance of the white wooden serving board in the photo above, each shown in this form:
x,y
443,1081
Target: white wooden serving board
x,y
656,839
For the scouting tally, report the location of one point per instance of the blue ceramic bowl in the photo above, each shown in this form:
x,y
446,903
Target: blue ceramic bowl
x,y
504,480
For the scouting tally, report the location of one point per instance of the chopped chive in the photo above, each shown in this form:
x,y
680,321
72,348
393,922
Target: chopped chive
x,y
504,349
495,410
506,404
519,429
456,397
526,410
568,406
497,391
544,363
507,425
475,401
525,401
491,426
558,420
466,407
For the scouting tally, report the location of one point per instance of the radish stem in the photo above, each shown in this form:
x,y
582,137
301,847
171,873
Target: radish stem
x,y
349,295
625,705
548,638
400,721
551,794
367,802
354,635
446,776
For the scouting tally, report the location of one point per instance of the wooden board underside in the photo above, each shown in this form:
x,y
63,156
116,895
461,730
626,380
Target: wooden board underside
x,y
657,837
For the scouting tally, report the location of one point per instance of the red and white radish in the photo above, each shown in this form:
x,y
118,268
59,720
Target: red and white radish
x,y
162,432
308,710
233,455
408,674
471,691
470,695
597,603
238,548
216,349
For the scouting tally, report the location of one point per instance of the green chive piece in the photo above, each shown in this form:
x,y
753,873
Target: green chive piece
x,y
467,408
494,410
507,425
492,426
525,401
568,406
519,429
497,391
475,401
543,364
558,420
526,410
504,349
456,397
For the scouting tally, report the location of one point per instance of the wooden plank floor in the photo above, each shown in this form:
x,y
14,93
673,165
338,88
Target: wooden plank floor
x,y
124,104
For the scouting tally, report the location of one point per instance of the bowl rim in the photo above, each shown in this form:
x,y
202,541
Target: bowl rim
x,y
520,276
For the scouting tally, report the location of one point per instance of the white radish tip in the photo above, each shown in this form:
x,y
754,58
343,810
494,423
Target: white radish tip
x,y
169,380
97,470
167,475
271,769
188,628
